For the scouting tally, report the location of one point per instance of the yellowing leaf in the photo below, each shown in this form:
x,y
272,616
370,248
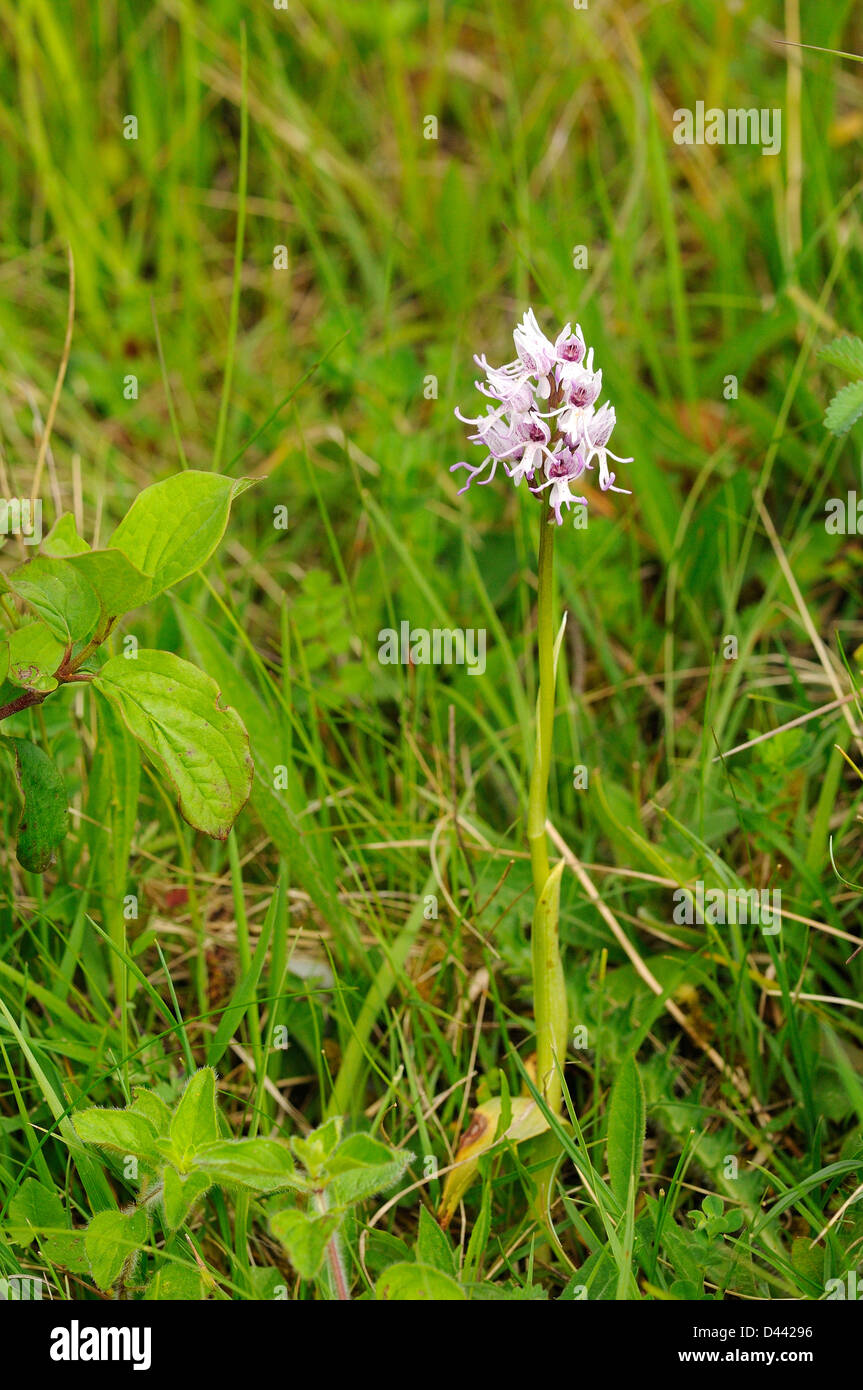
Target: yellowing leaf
x,y
527,1122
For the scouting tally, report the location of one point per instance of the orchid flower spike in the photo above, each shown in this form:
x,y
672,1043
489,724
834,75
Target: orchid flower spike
x,y
545,426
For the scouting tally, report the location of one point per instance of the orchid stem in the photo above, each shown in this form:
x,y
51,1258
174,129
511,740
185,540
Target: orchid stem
x,y
549,992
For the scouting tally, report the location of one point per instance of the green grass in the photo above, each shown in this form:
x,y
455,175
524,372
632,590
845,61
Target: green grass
x,y
405,256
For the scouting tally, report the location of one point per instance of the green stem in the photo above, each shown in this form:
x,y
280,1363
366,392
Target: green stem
x,y
538,803
549,991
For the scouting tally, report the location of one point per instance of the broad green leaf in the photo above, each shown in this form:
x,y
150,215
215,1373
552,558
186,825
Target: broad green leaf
x,y
845,408
181,1193
151,1107
326,1137
359,1151
36,1213
173,710
63,539
111,1238
845,353
362,1166
44,816
118,584
173,527
626,1130
195,1121
34,655
124,1130
305,1236
60,594
409,1283
265,1165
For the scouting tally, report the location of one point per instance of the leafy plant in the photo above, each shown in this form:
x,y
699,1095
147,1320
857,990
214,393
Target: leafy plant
x,y
846,406
703,1253
170,708
176,1155
388,798
713,1220
338,1173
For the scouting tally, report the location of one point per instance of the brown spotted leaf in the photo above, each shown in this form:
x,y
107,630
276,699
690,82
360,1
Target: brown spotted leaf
x,y
526,1122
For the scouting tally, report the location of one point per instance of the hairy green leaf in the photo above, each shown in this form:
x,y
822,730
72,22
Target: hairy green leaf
x,y
195,1121
362,1166
35,1212
265,1165
315,1149
305,1236
111,1238
845,353
845,408
152,1108
181,1193
44,816
124,1130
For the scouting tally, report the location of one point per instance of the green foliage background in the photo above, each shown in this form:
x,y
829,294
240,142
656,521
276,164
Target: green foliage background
x,y
405,256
